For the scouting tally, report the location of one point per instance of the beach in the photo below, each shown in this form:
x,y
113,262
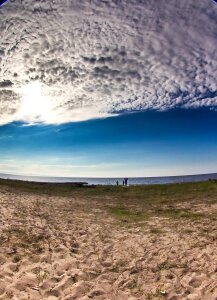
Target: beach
x,y
108,242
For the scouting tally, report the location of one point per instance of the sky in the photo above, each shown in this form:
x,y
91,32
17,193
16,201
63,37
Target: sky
x,y
108,88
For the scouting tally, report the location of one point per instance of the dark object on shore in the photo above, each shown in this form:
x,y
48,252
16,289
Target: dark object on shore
x,y
213,180
76,184
125,181
79,183
117,182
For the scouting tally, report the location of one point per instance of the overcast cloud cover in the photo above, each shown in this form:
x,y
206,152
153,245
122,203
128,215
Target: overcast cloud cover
x,y
96,58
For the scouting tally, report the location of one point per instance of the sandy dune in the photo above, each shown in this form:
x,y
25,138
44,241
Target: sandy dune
x,y
67,248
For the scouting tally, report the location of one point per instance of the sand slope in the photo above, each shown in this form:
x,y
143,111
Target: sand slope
x,y
65,248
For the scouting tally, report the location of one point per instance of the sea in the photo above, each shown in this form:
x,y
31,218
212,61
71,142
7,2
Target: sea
x,y
112,181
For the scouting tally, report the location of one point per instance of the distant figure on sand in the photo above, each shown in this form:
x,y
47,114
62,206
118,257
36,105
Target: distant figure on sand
x,y
117,183
125,181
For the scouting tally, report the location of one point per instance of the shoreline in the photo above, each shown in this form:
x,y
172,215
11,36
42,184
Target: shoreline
x,y
112,181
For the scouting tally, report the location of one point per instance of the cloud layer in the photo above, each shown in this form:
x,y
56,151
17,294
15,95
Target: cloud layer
x,y
96,58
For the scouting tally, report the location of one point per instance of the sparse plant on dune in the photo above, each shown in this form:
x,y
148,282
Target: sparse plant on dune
x,y
17,258
167,265
149,296
41,275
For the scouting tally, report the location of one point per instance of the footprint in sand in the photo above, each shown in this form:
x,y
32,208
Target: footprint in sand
x,y
2,287
195,282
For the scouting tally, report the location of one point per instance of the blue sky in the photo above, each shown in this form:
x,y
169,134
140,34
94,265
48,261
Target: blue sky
x,y
147,143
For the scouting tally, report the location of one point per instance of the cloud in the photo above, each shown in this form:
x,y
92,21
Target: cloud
x,y
35,167
95,59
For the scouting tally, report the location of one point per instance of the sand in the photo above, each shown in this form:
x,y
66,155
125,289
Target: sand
x,y
65,248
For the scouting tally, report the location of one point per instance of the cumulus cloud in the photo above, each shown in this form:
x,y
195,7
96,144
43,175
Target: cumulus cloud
x,y
96,58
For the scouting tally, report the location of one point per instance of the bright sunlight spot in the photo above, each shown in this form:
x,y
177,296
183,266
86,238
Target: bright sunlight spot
x,y
35,106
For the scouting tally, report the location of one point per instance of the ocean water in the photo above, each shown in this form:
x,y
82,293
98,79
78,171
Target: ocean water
x,y
112,181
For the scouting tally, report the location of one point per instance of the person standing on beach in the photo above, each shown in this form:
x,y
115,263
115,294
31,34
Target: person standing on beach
x,y
125,181
117,183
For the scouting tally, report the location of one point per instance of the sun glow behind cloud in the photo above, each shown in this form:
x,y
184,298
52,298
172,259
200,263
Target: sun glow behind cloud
x,y
39,104
35,106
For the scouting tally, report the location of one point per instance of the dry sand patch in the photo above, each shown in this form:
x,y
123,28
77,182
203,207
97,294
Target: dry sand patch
x,y
67,248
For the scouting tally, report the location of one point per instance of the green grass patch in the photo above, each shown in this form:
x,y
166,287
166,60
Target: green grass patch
x,y
178,213
133,202
124,213
120,211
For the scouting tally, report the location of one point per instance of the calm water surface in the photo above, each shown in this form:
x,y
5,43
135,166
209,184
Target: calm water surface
x,y
112,181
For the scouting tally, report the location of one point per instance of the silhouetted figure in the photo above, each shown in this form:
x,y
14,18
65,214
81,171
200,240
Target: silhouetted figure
x,y
117,183
125,181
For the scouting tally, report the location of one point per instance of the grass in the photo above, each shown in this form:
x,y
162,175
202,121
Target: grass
x,y
123,212
163,194
134,203
175,213
166,265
